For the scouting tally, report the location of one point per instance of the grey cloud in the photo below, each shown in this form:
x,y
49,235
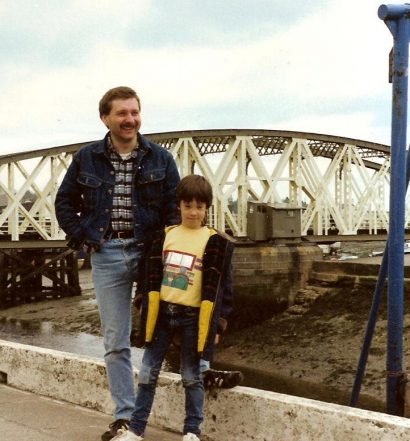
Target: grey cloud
x,y
65,33
214,22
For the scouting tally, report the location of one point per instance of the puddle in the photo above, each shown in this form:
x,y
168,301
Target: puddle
x,y
44,335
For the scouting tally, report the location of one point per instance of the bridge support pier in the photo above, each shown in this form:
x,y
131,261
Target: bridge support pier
x,y
30,273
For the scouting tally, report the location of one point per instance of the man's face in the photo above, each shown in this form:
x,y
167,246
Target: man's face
x,y
124,120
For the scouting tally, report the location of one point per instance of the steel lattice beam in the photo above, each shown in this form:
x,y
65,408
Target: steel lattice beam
x,y
341,182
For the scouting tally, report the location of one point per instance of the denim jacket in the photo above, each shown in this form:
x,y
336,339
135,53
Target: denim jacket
x,y
84,200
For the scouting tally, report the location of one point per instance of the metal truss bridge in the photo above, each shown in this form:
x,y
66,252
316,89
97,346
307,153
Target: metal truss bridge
x,y
340,184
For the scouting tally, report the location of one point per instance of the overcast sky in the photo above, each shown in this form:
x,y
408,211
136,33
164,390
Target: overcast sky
x,y
306,65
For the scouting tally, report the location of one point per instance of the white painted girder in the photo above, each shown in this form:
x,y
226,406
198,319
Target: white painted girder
x,y
338,193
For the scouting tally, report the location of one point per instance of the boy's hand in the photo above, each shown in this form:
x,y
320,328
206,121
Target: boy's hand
x,y
136,339
222,325
217,337
138,301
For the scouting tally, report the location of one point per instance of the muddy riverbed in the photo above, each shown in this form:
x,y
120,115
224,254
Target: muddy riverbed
x,y
313,355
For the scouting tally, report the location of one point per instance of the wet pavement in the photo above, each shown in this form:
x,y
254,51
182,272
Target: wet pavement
x,y
29,417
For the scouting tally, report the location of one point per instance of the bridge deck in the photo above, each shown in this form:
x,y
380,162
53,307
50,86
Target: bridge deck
x,y
348,238
31,244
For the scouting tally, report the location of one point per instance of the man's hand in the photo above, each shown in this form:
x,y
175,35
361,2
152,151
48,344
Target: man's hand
x,y
90,248
74,244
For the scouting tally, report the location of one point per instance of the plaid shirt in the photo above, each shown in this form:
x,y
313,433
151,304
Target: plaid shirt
x,y
121,213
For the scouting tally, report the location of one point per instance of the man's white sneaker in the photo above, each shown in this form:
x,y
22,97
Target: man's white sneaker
x,y
190,437
127,435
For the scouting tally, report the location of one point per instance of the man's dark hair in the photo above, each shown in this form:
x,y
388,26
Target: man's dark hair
x,y
117,93
194,187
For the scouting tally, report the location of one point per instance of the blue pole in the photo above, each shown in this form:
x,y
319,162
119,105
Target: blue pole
x,y
396,18
371,323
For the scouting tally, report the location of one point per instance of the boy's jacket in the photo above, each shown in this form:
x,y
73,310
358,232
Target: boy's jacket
x,y
216,295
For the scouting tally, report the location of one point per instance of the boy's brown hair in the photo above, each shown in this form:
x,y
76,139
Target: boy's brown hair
x,y
194,187
117,93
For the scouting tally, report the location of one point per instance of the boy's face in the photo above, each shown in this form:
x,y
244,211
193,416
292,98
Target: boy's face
x,y
192,213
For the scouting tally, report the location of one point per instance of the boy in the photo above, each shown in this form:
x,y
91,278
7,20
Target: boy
x,y
186,292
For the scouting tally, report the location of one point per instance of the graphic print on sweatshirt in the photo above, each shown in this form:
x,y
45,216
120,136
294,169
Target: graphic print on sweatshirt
x,y
180,269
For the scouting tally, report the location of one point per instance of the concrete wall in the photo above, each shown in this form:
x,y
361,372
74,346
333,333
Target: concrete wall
x,y
267,277
240,414
351,274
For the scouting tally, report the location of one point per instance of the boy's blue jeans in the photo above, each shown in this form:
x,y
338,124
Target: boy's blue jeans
x,y
172,318
114,270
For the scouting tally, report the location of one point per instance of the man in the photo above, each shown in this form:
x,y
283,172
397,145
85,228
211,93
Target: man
x,y
115,192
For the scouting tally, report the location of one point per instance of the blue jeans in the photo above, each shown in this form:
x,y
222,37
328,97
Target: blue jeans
x,y
172,318
114,270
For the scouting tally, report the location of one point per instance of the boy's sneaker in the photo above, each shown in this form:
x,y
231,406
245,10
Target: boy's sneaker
x,y
127,435
190,437
222,379
113,428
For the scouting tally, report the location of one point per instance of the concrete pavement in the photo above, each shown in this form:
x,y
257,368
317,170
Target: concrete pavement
x,y
237,414
30,417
